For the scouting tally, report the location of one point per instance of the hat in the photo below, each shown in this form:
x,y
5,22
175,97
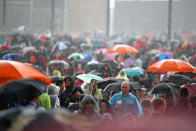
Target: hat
x,y
56,72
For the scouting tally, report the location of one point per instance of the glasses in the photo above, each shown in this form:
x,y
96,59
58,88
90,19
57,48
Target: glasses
x,y
124,87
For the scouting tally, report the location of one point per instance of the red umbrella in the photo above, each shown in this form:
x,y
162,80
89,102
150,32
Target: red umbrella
x,y
171,65
12,70
122,48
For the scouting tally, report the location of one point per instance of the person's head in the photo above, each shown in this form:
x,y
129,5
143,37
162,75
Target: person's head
x,y
68,81
77,92
158,105
125,87
87,104
169,97
140,92
61,84
52,89
142,77
184,93
192,103
104,106
146,106
106,67
156,78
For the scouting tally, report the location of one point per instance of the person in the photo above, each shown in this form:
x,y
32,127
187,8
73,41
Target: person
x,y
104,107
191,114
53,92
182,105
146,108
44,100
87,109
92,89
73,101
106,72
140,93
158,106
67,92
124,101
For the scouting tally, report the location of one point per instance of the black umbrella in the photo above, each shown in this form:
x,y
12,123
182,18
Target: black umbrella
x,y
21,89
103,83
178,79
116,86
164,88
112,63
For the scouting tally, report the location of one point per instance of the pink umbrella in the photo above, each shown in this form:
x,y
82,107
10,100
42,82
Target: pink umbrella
x,y
109,57
101,50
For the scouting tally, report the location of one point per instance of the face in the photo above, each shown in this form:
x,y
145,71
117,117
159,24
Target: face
x,y
125,87
102,106
68,82
89,106
77,94
140,92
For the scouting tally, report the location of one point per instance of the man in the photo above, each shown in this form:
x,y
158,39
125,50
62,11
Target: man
x,y
159,106
87,109
125,102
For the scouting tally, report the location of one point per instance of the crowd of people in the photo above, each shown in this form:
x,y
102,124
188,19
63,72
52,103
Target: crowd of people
x,y
128,107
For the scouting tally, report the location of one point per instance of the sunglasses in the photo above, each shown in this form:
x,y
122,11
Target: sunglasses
x,y
124,87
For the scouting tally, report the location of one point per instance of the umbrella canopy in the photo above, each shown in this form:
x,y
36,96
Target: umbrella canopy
x,y
28,49
88,77
101,50
133,71
103,83
171,65
58,63
21,89
178,79
87,56
12,70
75,56
11,56
109,57
122,48
112,63
164,88
162,56
63,45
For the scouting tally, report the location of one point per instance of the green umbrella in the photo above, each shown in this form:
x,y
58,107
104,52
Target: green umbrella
x,y
88,77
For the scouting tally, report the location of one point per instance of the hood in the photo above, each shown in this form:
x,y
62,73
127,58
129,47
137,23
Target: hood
x,y
86,99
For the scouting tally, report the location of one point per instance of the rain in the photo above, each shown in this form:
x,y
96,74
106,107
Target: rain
x,y
83,65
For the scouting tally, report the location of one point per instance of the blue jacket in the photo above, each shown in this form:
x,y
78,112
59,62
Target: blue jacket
x,y
129,103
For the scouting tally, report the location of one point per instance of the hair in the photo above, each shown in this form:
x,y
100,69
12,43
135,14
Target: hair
x,y
146,103
157,103
184,92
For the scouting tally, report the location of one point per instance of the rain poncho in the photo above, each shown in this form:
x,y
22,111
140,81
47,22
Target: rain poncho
x,y
44,100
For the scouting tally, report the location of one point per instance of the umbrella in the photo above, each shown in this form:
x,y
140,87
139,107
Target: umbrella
x,y
162,56
59,63
76,56
116,86
87,56
109,57
11,56
103,83
178,79
60,46
133,71
112,63
101,50
28,49
171,65
21,89
164,88
122,48
12,70
88,77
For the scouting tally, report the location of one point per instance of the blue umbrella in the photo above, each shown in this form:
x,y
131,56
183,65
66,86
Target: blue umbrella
x,y
88,56
11,56
134,71
162,56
